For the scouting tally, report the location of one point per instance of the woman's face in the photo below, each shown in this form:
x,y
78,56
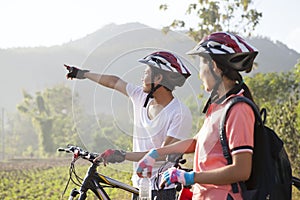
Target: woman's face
x,y
205,75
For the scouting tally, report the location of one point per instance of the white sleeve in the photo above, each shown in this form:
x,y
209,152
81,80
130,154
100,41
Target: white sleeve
x,y
132,89
181,125
136,94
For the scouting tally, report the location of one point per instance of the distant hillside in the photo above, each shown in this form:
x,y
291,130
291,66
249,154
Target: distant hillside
x,y
274,57
112,49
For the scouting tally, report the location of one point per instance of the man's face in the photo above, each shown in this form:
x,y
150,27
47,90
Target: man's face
x,y
146,80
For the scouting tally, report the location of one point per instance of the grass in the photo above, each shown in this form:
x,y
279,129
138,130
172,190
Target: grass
x,y
46,179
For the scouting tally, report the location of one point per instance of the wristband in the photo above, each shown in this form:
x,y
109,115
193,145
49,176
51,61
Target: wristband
x,y
153,153
189,178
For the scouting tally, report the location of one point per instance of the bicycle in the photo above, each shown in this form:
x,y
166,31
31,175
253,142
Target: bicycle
x,y
97,182
93,180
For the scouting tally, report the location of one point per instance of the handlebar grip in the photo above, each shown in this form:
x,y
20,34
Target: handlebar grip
x,y
162,185
61,149
178,186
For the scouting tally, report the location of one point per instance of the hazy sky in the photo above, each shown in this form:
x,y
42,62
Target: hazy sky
x,y
29,23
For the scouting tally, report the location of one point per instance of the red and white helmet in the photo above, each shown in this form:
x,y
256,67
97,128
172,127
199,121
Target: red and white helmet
x,y
228,50
166,61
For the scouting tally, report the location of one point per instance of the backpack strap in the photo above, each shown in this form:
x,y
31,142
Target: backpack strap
x,y
223,138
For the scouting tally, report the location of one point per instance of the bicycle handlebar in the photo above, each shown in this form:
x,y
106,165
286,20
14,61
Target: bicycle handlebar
x,y
80,153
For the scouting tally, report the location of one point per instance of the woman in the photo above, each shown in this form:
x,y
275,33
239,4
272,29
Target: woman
x,y
222,56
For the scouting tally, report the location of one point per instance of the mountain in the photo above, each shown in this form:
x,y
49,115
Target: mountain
x,y
274,56
112,49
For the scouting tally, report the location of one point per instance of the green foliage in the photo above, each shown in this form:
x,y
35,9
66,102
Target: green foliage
x,y
228,15
44,127
279,93
196,114
19,136
51,117
46,179
109,136
48,118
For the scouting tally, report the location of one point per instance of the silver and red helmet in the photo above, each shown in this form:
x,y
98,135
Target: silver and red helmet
x,y
228,50
166,61
175,72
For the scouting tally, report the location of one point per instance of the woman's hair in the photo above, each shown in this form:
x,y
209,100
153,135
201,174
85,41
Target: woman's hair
x,y
236,76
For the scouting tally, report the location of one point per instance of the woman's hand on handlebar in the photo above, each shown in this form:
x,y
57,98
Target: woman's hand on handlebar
x,y
174,175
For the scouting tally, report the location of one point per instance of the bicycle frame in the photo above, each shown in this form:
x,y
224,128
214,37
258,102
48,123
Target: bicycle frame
x,y
93,180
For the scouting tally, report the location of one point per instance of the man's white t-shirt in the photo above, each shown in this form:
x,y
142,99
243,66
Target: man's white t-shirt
x,y
174,120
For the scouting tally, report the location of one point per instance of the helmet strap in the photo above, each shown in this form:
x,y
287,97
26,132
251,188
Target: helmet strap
x,y
211,99
214,95
150,94
218,80
152,90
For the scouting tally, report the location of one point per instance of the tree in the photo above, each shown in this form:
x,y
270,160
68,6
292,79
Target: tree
x,y
237,16
109,135
279,93
198,118
20,136
51,115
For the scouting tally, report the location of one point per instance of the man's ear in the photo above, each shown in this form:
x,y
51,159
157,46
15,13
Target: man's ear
x,y
158,78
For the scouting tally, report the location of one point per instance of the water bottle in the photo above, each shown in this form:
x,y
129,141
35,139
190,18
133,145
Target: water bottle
x,y
145,188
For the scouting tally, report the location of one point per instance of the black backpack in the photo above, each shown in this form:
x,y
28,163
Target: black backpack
x,y
271,175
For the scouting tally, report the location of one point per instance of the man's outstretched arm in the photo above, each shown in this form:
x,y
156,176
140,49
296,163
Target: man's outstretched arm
x,y
110,81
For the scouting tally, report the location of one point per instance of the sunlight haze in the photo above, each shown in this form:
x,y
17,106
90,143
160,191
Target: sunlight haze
x,y
33,23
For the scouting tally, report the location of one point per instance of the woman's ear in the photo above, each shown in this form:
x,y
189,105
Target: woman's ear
x,y
217,70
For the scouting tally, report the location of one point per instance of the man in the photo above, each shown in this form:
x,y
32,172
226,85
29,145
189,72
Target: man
x,y
159,118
